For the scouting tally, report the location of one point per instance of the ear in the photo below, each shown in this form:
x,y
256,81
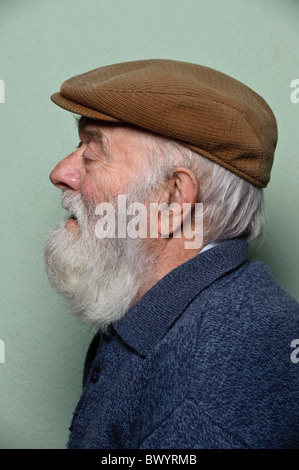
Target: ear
x,y
177,201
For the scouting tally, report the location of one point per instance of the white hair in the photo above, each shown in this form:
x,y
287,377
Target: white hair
x,y
103,277
232,207
100,277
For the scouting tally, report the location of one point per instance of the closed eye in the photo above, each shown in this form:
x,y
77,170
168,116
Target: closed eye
x,y
86,158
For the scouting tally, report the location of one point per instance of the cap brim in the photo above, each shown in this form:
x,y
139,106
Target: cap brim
x,y
76,108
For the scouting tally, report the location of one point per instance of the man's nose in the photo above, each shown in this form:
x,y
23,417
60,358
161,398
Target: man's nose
x,y
66,175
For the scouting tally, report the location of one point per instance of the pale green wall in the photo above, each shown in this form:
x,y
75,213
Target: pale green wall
x,y
42,43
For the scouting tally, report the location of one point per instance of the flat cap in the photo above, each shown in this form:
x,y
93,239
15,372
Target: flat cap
x,y
202,108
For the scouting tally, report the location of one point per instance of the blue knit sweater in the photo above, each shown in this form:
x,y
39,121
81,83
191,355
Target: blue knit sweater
x,y
202,360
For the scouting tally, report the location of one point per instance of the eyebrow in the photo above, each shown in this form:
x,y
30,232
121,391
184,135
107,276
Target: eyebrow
x,y
96,135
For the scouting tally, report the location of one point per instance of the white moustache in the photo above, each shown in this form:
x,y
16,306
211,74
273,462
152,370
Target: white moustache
x,y
69,201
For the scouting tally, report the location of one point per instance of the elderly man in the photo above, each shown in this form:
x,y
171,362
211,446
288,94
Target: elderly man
x,y
194,339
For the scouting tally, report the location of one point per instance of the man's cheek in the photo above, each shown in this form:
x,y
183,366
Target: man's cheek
x,y
90,191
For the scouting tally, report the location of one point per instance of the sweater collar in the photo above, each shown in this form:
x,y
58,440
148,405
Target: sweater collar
x,y
148,320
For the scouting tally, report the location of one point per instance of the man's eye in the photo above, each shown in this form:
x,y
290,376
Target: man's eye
x,y
86,159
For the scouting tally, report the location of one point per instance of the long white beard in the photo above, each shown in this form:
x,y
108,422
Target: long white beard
x,y
100,277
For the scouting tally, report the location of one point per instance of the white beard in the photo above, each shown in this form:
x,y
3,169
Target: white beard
x,y
100,277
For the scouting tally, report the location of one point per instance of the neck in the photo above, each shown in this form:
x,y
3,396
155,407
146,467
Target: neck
x,y
168,254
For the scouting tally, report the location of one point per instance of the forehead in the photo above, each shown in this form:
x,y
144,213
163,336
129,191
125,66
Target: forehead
x,y
122,146
111,133
90,129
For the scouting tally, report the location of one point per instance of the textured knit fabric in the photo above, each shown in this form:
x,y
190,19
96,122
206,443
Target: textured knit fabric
x,y
202,360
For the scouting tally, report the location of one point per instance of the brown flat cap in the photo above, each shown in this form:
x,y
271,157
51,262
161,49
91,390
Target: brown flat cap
x,y
206,110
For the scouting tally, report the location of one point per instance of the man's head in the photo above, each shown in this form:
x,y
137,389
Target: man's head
x,y
149,164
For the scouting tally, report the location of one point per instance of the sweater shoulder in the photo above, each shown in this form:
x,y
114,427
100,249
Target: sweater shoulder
x,y
250,292
243,376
